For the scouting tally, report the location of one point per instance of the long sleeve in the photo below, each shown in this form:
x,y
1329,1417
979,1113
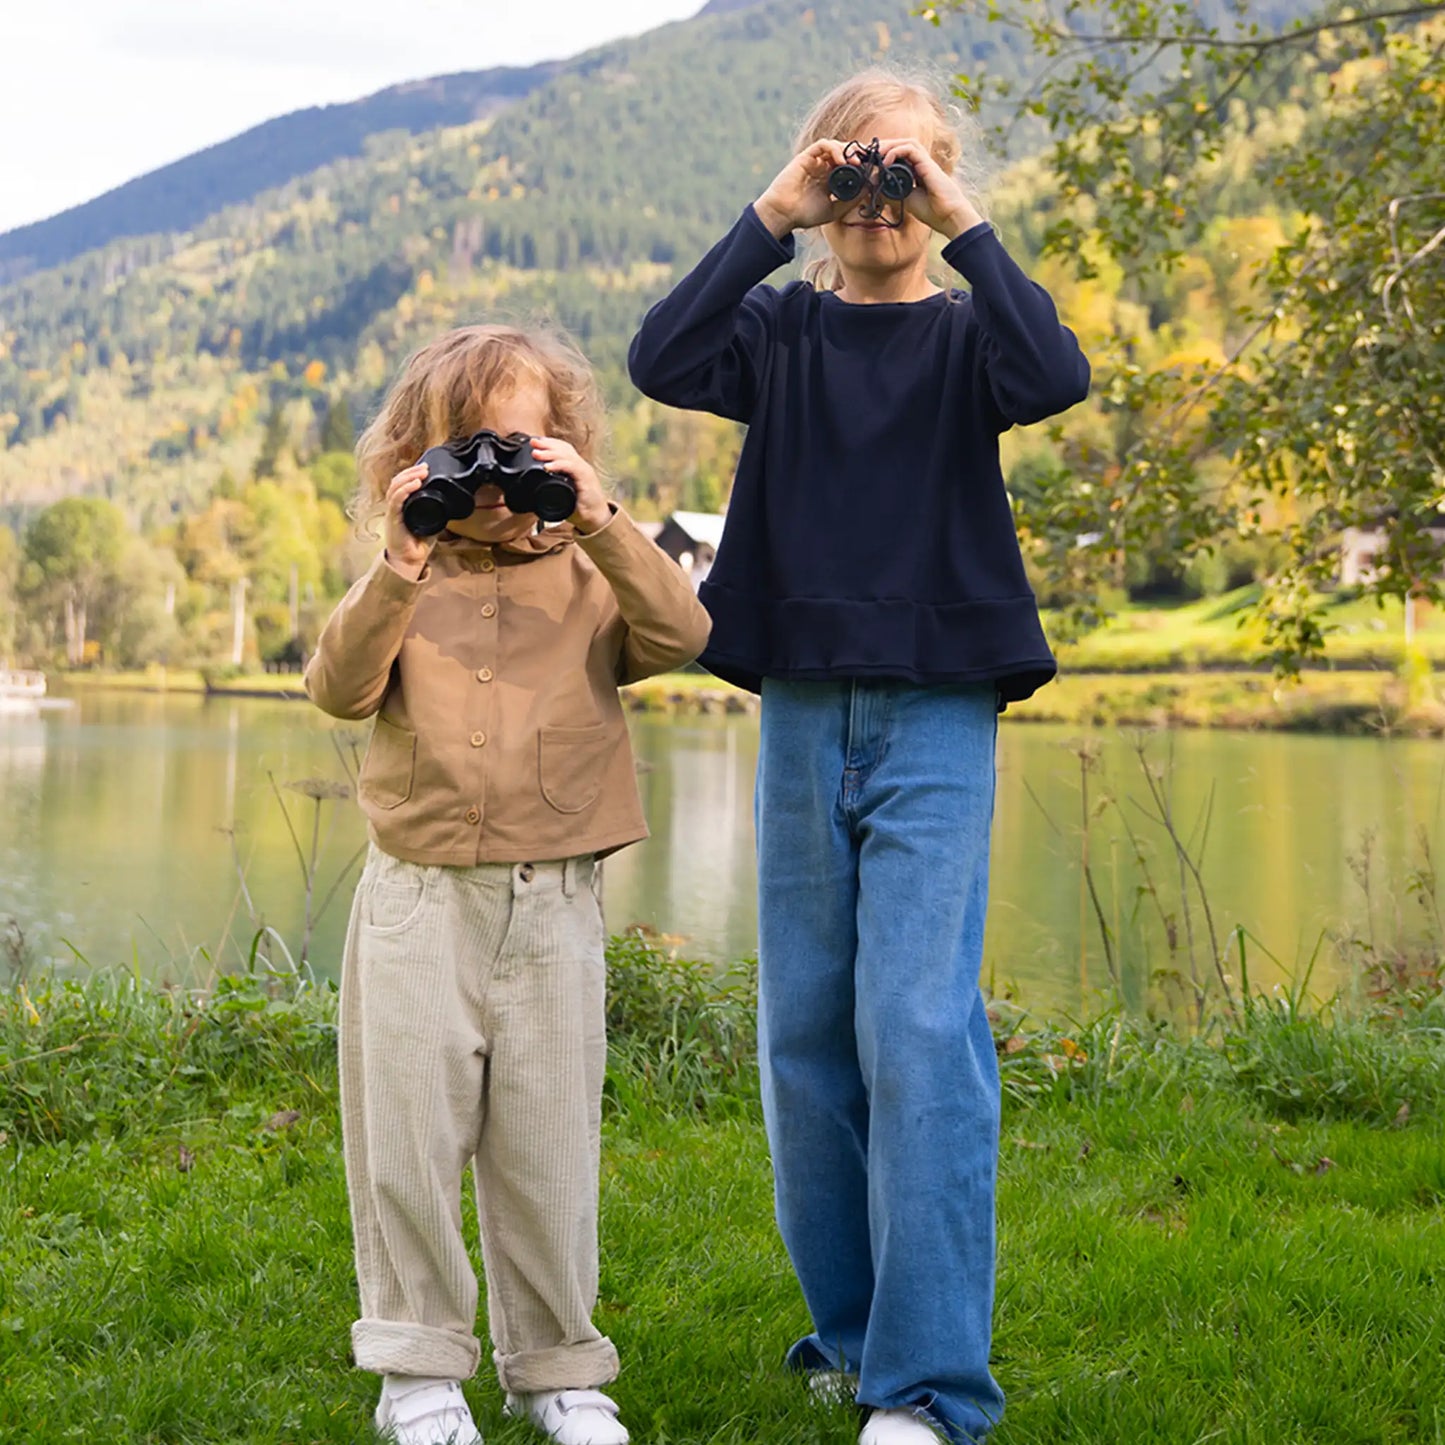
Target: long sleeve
x,y
349,672
665,625
1029,364
704,346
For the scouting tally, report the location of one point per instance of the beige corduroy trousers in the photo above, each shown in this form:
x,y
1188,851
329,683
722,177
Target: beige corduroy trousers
x,y
473,1029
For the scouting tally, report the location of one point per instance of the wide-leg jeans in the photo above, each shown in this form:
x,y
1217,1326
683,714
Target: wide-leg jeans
x,y
880,1079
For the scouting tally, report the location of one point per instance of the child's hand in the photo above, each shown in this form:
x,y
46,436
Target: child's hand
x,y
405,553
937,200
798,197
593,512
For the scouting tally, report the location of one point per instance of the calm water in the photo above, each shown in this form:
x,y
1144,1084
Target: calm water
x,y
119,815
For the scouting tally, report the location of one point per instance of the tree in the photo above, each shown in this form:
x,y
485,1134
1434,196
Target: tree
x,y
9,601
73,551
1328,402
274,441
339,433
333,474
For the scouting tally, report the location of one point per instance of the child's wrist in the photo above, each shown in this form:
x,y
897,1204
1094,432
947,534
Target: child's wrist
x,y
956,222
773,217
593,519
410,570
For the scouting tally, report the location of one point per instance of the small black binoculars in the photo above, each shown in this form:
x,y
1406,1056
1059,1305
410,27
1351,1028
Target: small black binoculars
x,y
457,469
864,170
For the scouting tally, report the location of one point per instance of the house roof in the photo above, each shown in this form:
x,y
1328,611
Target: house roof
x,y
701,526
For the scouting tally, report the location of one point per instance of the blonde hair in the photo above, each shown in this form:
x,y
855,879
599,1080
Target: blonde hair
x,y
447,388
955,142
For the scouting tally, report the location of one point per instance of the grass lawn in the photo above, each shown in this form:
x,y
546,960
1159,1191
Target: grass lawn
x,y
1202,664
1223,632
180,679
1238,1239
1361,703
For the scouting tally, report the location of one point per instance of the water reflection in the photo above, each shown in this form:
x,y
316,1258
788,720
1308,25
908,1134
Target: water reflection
x,y
116,819
695,874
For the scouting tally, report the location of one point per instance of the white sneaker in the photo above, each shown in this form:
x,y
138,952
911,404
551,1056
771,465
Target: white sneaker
x,y
572,1417
425,1411
898,1427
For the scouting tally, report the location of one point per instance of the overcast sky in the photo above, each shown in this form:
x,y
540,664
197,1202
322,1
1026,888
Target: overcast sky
x,y
96,92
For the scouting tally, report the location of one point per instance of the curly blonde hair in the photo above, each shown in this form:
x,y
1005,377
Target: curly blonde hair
x,y
953,137
446,390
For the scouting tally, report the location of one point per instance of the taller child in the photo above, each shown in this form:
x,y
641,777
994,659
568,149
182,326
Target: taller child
x,y
869,584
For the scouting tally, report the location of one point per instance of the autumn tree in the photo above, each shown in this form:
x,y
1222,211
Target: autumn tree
x,y
1327,402
339,432
73,551
9,601
274,441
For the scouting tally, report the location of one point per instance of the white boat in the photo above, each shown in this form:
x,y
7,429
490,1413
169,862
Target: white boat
x,y
21,691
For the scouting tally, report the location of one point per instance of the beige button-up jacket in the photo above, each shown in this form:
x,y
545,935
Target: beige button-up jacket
x,y
499,735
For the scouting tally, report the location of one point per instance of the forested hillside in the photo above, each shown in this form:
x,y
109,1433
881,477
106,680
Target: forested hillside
x,y
206,384
181,195
573,201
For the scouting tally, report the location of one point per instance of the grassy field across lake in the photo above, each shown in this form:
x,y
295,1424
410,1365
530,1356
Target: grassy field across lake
x,y
1200,664
1230,1237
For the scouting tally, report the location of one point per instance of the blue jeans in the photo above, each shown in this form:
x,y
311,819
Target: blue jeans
x,y
880,1082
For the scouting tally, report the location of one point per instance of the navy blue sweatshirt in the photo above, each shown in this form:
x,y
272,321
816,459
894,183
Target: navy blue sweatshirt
x,y
869,534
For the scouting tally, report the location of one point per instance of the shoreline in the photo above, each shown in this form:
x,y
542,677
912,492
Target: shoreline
x,y
1339,702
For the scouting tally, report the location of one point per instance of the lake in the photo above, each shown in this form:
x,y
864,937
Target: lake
x,y
128,821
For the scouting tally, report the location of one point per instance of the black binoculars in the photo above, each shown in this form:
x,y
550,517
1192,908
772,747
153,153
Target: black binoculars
x,y
864,170
457,469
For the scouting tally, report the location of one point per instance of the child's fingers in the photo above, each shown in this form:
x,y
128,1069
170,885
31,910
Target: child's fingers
x,y
820,158
910,151
411,479
547,449
399,492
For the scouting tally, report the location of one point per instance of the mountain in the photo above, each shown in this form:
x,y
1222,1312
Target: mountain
x,y
148,368
181,195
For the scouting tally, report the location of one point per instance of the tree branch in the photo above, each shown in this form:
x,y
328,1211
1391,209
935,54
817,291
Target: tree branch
x,y
1257,44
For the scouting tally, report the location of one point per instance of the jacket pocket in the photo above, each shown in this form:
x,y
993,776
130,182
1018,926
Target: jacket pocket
x,y
386,775
572,763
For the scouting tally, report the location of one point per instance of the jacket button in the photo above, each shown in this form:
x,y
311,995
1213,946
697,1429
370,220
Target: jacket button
x,y
478,739
489,609
473,816
484,674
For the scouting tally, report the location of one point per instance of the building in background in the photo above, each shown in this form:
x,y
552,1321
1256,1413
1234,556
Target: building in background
x,y
691,540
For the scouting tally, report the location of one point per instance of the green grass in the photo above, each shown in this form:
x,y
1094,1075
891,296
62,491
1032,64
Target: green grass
x,y
1192,665
1224,632
1339,702
182,679
1232,1237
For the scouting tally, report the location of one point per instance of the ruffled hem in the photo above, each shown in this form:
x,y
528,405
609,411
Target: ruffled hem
x,y
810,638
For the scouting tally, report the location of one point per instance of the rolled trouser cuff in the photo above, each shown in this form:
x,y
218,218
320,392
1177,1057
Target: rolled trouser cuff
x,y
391,1347
563,1367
